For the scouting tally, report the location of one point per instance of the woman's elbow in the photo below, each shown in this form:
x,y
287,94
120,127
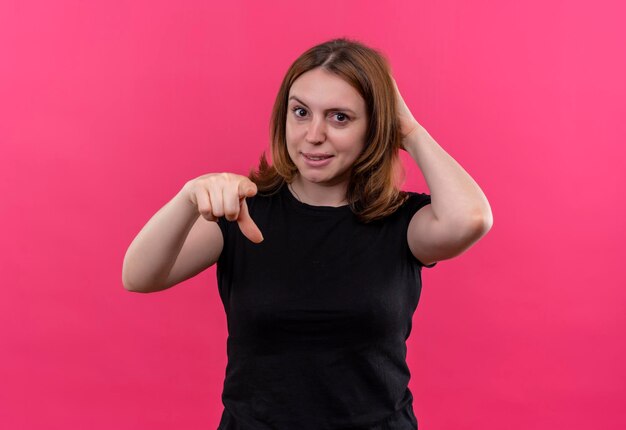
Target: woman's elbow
x,y
481,223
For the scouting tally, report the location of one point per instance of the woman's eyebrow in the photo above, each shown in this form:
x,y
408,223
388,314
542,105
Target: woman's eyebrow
x,y
327,110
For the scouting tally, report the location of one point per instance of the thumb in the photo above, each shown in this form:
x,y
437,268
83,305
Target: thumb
x,y
247,188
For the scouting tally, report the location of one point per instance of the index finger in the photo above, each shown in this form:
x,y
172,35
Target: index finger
x,y
247,225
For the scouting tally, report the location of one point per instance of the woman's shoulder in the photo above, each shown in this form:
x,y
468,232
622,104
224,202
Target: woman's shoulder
x,y
414,201
264,198
414,196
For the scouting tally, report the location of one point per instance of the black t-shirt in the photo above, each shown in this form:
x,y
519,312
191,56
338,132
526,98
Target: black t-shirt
x,y
318,315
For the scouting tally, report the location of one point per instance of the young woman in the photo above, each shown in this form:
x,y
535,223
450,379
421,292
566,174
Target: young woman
x,y
319,255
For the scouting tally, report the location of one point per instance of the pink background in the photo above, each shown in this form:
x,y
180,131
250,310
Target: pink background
x,y
107,108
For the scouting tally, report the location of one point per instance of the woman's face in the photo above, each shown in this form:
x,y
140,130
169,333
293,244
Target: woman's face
x,y
326,116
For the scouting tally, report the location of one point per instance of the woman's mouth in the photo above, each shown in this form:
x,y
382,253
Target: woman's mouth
x,y
317,160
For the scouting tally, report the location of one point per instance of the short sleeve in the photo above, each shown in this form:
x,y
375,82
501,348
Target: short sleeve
x,y
224,264
415,202
224,226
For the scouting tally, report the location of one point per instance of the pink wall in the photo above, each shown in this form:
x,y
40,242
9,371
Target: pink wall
x,y
108,108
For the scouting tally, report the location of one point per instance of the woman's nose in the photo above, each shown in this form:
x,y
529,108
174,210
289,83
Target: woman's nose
x,y
316,131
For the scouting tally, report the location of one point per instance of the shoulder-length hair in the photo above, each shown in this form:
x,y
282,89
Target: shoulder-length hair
x,y
373,189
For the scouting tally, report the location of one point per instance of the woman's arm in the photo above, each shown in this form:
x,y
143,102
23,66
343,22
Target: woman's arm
x,y
459,213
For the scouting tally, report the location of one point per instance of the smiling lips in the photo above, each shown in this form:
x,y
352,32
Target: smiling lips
x,y
316,156
317,159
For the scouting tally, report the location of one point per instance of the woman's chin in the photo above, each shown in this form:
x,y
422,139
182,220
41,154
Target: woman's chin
x,y
327,180
312,178
318,177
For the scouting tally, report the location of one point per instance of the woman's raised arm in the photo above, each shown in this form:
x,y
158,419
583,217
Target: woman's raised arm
x,y
459,213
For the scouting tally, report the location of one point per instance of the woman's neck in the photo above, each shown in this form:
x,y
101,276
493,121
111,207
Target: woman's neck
x,y
319,194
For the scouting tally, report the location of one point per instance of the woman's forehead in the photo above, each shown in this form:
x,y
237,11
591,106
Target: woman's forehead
x,y
326,91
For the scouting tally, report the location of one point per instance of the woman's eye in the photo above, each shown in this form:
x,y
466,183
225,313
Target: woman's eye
x,y
343,116
339,114
296,109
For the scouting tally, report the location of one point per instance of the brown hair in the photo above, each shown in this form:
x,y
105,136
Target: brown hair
x,y
373,189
